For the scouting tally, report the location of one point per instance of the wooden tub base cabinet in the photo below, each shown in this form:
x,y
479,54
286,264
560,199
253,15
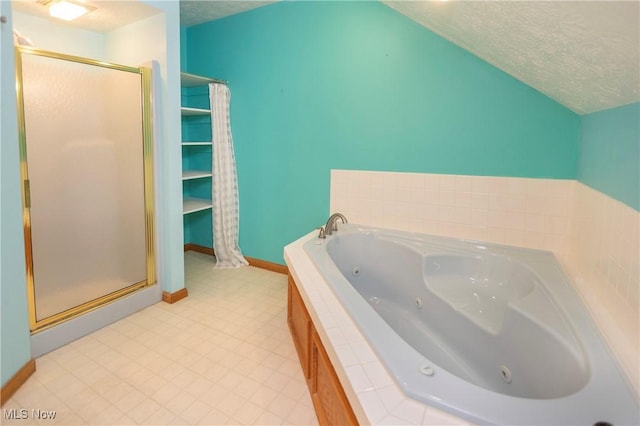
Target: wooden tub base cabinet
x,y
329,400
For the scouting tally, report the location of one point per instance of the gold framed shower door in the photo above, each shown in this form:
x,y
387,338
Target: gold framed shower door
x,y
39,323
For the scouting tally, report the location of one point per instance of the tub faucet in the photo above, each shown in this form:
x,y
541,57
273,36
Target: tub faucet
x,y
332,223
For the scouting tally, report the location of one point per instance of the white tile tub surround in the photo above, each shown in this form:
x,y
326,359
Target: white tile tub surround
x,y
604,262
524,212
372,392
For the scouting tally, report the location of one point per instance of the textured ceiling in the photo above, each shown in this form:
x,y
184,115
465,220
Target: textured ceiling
x,y
194,12
583,54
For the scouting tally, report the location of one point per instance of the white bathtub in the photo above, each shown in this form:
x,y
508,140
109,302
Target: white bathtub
x,y
489,333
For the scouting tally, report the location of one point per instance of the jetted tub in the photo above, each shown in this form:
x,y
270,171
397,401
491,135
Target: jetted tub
x,y
491,333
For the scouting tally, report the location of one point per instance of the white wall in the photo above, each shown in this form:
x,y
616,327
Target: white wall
x,y
47,35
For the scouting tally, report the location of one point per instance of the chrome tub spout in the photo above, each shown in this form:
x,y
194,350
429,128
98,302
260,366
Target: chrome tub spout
x,y
332,223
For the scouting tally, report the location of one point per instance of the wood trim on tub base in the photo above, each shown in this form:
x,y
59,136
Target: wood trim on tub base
x,y
257,263
18,379
327,394
175,296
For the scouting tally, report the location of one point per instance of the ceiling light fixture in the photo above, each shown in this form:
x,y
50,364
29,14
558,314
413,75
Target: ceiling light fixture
x,y
66,9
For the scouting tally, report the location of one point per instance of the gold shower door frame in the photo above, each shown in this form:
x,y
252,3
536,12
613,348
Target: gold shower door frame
x,y
147,136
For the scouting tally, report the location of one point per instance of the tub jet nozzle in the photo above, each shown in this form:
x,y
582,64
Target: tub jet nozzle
x,y
505,373
427,370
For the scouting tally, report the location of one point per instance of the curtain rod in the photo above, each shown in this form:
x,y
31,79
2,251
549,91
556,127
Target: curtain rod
x,y
201,79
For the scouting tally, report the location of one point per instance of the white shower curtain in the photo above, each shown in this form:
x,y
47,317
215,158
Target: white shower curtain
x,y
225,182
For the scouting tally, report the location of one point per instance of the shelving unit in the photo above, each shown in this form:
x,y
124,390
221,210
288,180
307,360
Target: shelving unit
x,y
192,205
186,111
196,159
195,174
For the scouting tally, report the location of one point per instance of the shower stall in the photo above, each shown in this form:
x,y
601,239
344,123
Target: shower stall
x,y
87,175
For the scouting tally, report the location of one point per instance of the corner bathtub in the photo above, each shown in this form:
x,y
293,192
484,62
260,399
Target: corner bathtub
x,y
489,333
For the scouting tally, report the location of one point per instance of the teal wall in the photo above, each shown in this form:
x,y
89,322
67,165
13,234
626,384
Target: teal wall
x,y
15,347
610,153
355,85
183,48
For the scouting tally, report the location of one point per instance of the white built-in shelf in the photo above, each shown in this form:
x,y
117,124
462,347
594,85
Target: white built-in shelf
x,y
196,143
195,174
190,80
191,205
194,111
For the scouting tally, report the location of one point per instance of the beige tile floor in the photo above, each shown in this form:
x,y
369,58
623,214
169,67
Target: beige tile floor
x,y
221,356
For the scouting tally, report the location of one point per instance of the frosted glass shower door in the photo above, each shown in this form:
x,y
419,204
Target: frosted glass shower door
x,y
84,184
